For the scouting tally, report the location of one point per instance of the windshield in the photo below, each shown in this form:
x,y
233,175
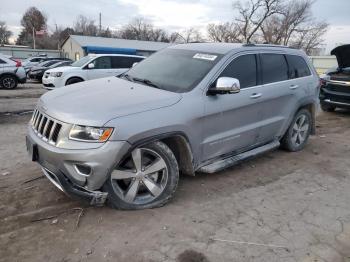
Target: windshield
x,y
81,61
174,70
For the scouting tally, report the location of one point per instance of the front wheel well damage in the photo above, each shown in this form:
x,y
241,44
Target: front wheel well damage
x,y
183,153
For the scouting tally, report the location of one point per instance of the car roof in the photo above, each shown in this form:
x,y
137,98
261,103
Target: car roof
x,y
98,55
225,48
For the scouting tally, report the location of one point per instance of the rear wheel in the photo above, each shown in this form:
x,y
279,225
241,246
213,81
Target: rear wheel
x,y
147,178
8,82
298,133
73,80
327,107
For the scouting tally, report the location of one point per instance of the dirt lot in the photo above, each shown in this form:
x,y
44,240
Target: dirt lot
x,y
279,207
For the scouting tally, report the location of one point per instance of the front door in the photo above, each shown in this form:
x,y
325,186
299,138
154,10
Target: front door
x,y
102,68
232,120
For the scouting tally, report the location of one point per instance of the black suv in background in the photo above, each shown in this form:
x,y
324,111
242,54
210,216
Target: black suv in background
x,y
335,85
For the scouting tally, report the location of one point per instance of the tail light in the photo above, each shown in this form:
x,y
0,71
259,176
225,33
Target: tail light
x,y
18,62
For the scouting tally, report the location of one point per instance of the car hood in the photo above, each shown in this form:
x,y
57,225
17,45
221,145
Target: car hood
x,y
64,69
342,54
96,102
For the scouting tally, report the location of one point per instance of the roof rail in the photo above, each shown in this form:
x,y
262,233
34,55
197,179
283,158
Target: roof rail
x,y
267,45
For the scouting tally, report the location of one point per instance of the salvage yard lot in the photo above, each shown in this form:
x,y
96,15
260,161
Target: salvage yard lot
x,y
278,207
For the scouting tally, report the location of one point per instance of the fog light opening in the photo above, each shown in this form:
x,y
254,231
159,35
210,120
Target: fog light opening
x,y
83,170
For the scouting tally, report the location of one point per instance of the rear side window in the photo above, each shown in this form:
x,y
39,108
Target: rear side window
x,y
297,67
2,62
124,61
103,62
274,68
244,69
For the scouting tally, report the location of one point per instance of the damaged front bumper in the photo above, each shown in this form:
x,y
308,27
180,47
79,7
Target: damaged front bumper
x,y
62,182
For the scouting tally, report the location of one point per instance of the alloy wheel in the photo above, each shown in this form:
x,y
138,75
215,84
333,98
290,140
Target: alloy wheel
x,y
8,82
300,130
141,178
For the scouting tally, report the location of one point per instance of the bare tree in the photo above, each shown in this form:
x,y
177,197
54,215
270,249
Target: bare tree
x,y
5,34
186,36
310,37
224,32
295,26
33,20
85,26
252,14
141,29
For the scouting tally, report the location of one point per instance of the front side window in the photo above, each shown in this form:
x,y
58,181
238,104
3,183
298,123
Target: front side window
x,y
124,61
175,70
82,61
274,68
297,67
244,69
103,62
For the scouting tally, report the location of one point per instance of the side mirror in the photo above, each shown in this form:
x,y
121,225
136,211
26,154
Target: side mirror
x,y
134,64
91,66
225,85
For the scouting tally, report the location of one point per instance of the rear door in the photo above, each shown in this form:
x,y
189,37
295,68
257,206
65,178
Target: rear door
x,y
231,120
102,68
121,64
280,95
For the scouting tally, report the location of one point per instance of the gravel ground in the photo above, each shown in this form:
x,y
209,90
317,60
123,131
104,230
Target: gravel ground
x,y
278,207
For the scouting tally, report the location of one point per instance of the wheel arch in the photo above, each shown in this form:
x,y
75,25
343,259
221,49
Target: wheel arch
x,y
71,77
178,144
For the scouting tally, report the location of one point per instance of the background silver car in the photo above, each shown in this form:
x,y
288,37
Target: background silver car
x,y
11,72
188,108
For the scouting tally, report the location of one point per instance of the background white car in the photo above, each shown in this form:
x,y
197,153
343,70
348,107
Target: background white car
x,y
89,67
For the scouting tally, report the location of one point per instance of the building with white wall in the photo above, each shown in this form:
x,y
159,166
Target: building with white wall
x,y
77,46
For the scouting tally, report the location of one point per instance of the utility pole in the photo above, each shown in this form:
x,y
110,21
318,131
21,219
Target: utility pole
x,y
34,38
100,24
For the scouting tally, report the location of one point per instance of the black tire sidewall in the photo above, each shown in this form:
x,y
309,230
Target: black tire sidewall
x,y
164,151
287,139
73,80
327,108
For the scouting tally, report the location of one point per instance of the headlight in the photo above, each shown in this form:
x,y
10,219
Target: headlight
x,y
56,74
90,134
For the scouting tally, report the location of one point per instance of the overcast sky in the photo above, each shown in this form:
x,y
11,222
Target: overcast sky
x,y
168,14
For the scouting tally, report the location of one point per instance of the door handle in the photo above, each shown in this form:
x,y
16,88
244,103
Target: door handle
x,y
255,95
293,87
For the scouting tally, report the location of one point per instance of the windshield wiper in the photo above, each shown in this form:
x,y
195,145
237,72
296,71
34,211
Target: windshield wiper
x,y
147,82
127,76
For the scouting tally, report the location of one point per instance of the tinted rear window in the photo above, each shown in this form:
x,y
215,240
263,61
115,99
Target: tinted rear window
x,y
244,69
274,68
124,61
297,67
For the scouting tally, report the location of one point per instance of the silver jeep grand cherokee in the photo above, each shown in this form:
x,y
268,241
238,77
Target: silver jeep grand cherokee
x,y
186,109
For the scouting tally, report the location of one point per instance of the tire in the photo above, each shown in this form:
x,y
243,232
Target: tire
x,y
73,80
8,82
128,178
298,132
327,108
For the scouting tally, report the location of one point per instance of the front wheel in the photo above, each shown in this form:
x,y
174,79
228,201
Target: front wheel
x,y
147,178
73,80
327,108
298,132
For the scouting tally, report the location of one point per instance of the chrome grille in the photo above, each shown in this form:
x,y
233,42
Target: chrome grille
x,y
45,127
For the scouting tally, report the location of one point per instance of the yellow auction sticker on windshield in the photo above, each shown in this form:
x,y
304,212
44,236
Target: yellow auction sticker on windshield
x,y
205,56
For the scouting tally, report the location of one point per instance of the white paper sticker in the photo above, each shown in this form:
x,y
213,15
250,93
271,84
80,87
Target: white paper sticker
x,y
205,56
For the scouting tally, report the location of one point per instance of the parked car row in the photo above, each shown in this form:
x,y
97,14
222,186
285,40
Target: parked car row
x,y
58,72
